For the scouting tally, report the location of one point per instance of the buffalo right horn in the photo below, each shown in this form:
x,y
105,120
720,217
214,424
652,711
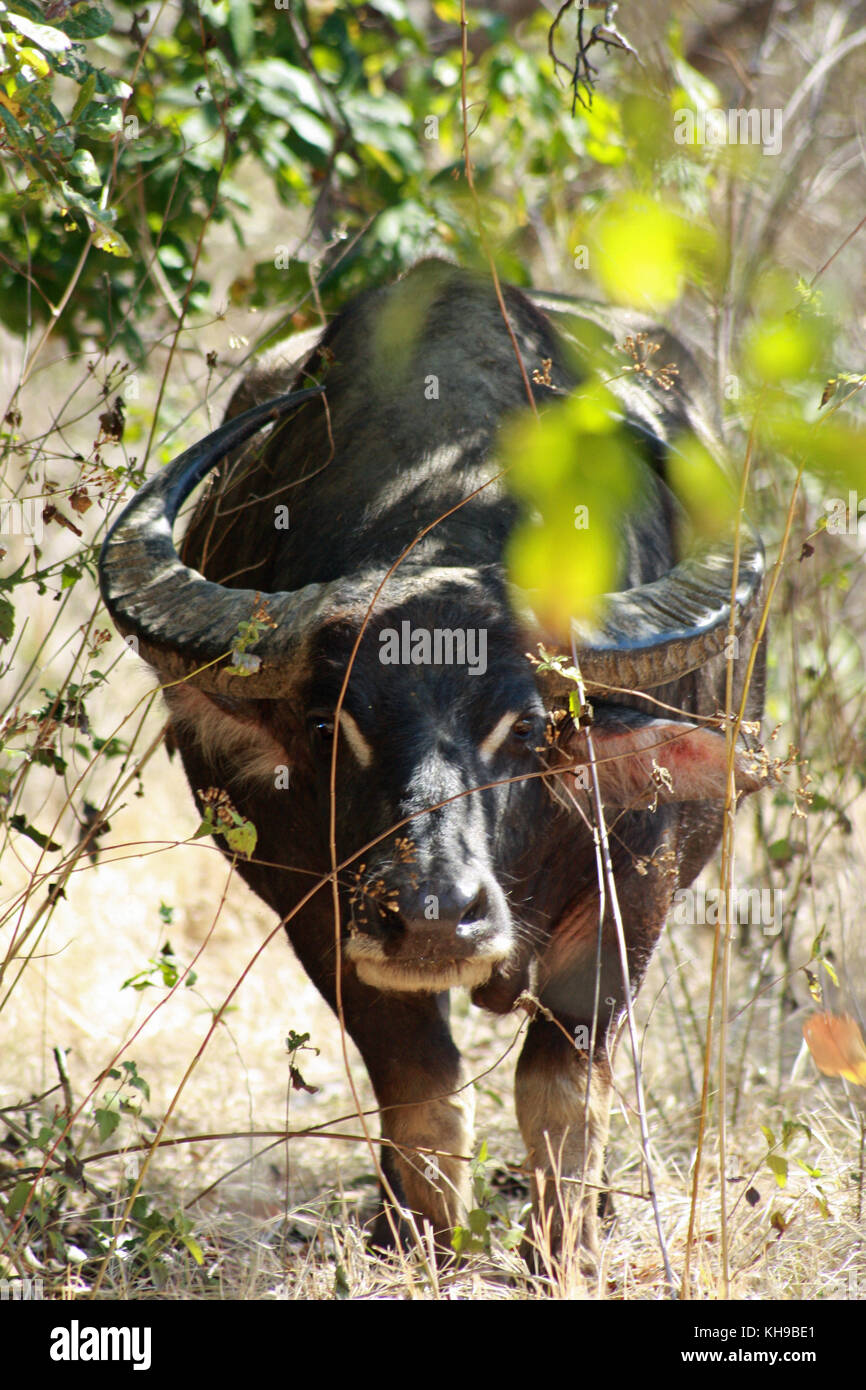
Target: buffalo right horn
x,y
185,625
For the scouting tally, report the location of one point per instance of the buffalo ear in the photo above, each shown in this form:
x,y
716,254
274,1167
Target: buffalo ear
x,y
640,758
228,731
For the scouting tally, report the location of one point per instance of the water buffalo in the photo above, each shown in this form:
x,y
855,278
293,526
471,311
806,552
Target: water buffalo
x,y
462,818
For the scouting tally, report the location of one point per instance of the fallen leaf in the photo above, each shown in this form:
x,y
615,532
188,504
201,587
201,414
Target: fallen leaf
x,y
836,1043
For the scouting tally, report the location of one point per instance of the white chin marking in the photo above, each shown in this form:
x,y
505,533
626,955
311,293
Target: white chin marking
x,y
422,979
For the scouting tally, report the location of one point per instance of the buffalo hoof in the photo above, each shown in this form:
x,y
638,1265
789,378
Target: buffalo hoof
x,y
392,1230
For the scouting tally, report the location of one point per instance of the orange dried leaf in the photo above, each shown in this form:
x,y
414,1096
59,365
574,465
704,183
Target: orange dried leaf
x,y
836,1043
80,501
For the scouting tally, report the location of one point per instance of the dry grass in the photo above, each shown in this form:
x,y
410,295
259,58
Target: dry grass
x,y
284,1218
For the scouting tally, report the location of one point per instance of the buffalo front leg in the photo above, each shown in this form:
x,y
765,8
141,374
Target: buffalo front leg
x,y
426,1111
563,1108
417,1075
420,1158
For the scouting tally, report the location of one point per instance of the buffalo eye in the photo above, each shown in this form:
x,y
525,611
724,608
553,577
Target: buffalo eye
x,y
321,727
524,729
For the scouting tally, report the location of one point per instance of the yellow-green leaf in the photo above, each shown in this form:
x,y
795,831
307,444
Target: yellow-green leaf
x,y
701,486
242,838
637,248
778,1166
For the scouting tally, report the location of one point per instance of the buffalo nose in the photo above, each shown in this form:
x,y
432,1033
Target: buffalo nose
x,y
451,905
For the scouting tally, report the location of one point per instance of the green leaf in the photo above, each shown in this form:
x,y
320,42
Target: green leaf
x,y
478,1221
23,826
107,1121
791,1127
206,827
46,757
88,87
52,40
312,130
462,1240
21,137
276,76
101,122
169,973
138,982
20,1193
88,24
781,851
242,27
133,1079
58,1245
83,165
7,619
